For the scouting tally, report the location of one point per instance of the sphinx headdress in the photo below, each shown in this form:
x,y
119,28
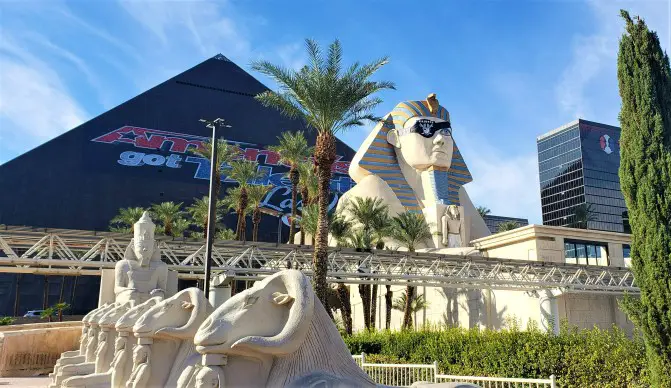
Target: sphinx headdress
x,y
377,157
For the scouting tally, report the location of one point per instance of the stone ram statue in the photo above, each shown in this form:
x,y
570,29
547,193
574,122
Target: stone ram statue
x,y
83,364
120,363
165,335
272,335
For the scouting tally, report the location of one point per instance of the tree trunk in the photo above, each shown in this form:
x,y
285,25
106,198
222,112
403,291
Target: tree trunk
x,y
242,219
17,296
388,303
217,182
304,202
346,311
325,154
168,228
256,220
365,304
60,295
373,306
294,177
60,315
407,313
45,296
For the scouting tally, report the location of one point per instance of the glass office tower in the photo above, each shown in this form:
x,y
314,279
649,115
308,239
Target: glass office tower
x,y
578,164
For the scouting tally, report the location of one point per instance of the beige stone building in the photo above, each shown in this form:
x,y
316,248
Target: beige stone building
x,y
495,308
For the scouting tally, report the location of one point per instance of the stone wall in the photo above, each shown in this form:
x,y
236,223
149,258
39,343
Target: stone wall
x,y
32,349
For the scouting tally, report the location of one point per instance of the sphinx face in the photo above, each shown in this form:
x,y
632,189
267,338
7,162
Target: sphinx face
x,y
420,146
143,245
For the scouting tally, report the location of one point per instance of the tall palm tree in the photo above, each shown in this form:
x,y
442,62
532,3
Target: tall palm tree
x,y
409,229
256,195
582,214
483,211
331,100
506,226
167,213
413,304
225,154
126,219
243,171
293,149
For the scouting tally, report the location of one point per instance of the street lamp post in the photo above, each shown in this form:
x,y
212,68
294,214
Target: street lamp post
x,y
212,206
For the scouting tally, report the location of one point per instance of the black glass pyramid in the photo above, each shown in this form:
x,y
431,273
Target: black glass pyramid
x,y
137,154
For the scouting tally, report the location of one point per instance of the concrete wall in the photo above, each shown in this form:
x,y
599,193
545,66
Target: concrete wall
x,y
32,349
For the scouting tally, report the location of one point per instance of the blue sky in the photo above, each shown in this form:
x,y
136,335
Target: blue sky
x,y
507,71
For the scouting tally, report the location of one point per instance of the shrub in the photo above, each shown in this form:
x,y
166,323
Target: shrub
x,y
578,358
6,321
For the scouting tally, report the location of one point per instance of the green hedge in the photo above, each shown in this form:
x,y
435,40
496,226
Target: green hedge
x,y
578,358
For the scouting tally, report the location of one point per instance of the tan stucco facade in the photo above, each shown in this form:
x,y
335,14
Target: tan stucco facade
x,y
494,309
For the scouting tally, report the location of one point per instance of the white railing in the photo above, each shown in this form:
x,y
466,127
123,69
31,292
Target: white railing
x,y
404,375
502,382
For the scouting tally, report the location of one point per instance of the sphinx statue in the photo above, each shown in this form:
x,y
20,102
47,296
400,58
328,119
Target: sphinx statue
x,y
411,161
141,274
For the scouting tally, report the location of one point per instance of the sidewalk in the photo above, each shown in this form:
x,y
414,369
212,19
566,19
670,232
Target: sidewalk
x,y
24,382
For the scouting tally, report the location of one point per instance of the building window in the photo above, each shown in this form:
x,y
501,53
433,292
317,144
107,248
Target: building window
x,y
585,253
626,253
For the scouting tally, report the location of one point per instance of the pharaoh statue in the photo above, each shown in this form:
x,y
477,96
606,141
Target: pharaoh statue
x,y
141,274
411,161
452,229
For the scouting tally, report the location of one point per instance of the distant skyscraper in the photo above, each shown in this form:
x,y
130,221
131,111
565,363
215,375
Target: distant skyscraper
x,y
578,164
493,222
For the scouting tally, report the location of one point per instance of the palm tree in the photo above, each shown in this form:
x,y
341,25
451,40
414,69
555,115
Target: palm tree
x,y
125,220
243,171
179,226
506,226
225,234
331,100
48,313
413,304
60,307
369,214
340,228
582,214
308,185
309,219
256,195
293,149
167,213
225,154
199,211
409,229
483,211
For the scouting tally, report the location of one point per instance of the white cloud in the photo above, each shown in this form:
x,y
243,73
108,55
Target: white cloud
x,y
594,61
33,99
504,182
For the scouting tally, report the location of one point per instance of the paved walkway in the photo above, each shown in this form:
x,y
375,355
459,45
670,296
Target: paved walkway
x,y
24,382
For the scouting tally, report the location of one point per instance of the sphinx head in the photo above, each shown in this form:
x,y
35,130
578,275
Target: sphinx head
x,y
423,142
143,239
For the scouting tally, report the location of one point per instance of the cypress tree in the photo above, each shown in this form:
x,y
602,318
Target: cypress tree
x,y
645,176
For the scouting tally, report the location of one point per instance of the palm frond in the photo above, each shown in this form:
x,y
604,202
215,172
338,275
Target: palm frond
x,y
410,229
243,171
